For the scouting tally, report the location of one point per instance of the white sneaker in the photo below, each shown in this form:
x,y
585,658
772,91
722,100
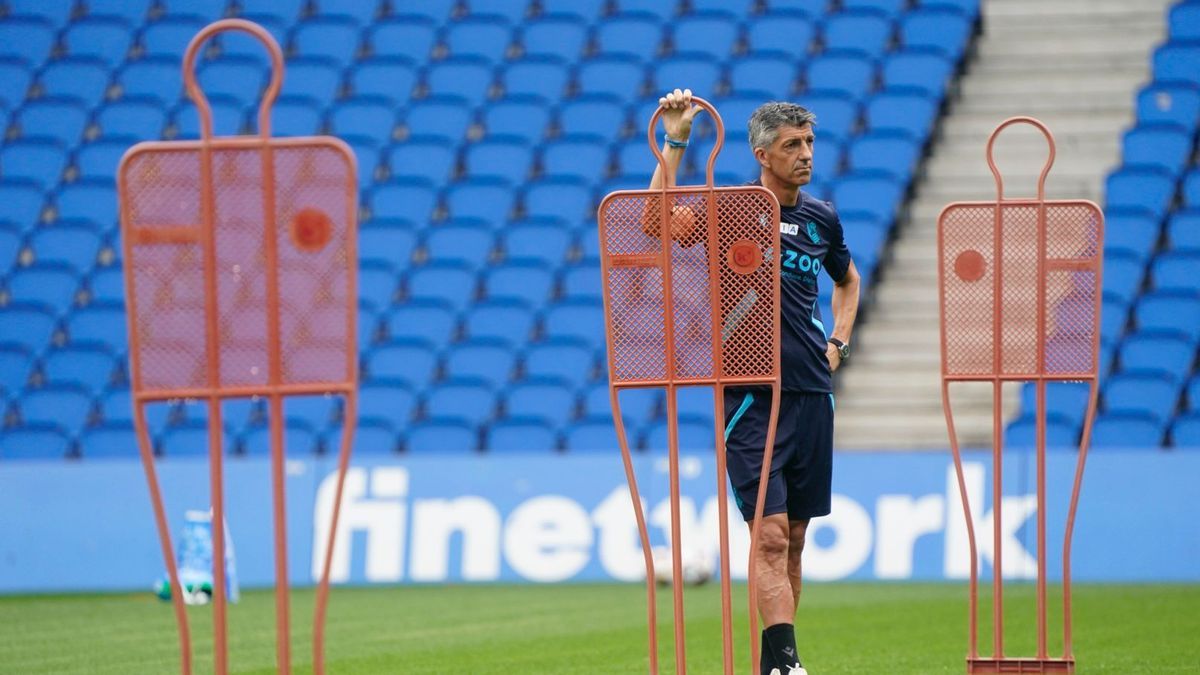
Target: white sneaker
x,y
792,670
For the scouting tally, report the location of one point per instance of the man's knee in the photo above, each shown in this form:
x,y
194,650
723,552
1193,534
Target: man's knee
x,y
773,540
797,532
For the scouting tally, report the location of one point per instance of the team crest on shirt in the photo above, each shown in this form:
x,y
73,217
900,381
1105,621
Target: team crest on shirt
x,y
789,228
812,232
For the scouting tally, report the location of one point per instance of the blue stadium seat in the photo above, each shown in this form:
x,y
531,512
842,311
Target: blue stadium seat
x,y
541,77
107,285
93,202
701,72
1183,231
936,28
52,286
241,79
547,240
377,284
463,77
1178,61
390,402
366,116
410,361
109,441
867,32
485,38
656,9
508,320
81,79
244,413
488,360
466,400
169,37
449,282
15,366
1193,393
694,436
489,201
1185,433
1147,394
1147,188
594,435
133,12
507,158
1169,355
1060,434
436,11
583,281
98,161
467,245
10,245
520,435
1123,275
38,160
1191,189
633,35
587,10
336,38
637,405
409,38
582,158
512,11
560,36
423,157
388,78
780,33
92,368
293,116
389,243
892,153
901,110
286,11
592,115
104,39
1160,145
1169,103
55,13
410,200
581,319
712,33
1176,272
156,78
228,118
524,281
695,403
433,321
1170,312
33,442
65,407
1137,431
922,70
369,155
620,76
871,193
22,198
370,438
298,441
134,117
61,119
312,411
842,71
116,407
27,39
191,439
1129,234
314,78
445,117
1066,401
550,402
1183,21
768,76
567,199
15,78
442,437
563,359
517,117
889,8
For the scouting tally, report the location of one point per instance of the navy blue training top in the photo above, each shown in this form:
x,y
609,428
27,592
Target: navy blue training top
x,y
811,239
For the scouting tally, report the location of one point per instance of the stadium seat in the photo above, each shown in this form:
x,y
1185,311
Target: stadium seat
x,y
594,434
1066,401
1060,434
548,401
40,161
240,78
1123,274
580,319
313,411
888,8
587,10
554,35
442,437
592,115
512,11
389,402
468,78
488,360
16,363
694,437
922,70
409,38
410,200
62,406
28,39
583,281
620,76
15,78
520,435
484,37
465,400
656,9
508,320
1127,431
1183,21
1176,272
507,158
448,282
191,439
100,38
371,117
768,76
407,360
467,245
1129,234
60,119
901,111
519,117
435,11
1191,189
228,118
1161,145
388,243
843,71
1169,103
936,28
524,281
544,78
298,441
781,33
1154,395
1183,231
582,158
1168,355
433,321
109,441
115,407
336,38
286,11
702,73
73,246
867,32
370,438
489,201
107,285
135,117
564,359
638,36
872,193
10,245
34,442
544,239
893,153
377,284
84,80
445,117
52,286
92,368
714,34
1170,312
1177,61
155,77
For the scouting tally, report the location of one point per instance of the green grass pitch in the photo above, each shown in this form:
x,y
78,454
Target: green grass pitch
x,y
595,628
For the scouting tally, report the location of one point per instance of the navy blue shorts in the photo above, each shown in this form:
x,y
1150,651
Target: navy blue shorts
x,y
802,466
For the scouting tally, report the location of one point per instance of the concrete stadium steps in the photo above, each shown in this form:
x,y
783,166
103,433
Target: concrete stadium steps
x,y
1074,64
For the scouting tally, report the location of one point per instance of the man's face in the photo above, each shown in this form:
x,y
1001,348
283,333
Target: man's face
x,y
789,158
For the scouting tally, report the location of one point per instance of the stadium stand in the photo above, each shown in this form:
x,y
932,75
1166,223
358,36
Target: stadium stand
x,y
486,132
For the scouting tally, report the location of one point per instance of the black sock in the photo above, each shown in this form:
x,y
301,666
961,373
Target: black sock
x,y
782,638
765,658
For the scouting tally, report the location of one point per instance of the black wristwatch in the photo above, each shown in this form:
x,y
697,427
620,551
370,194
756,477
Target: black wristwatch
x,y
842,347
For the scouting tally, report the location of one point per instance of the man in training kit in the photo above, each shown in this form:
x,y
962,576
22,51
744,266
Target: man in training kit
x,y
781,137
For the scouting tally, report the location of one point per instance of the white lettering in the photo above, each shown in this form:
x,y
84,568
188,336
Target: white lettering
x,y
900,521
1016,562
851,525
619,546
548,538
434,523
380,518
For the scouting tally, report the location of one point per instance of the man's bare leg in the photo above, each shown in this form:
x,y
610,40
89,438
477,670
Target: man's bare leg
x,y
776,595
797,531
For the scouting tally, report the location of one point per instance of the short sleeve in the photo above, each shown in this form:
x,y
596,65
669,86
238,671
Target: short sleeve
x,y
837,258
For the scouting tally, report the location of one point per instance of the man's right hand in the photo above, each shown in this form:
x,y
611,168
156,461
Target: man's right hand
x,y
678,114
